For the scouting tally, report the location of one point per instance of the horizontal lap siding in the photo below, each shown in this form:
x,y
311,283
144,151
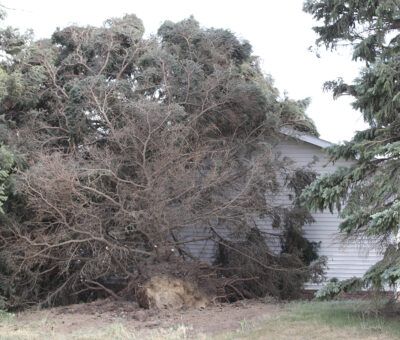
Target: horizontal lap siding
x,y
203,249
345,258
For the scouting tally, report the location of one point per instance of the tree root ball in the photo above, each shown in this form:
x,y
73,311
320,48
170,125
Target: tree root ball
x,y
170,293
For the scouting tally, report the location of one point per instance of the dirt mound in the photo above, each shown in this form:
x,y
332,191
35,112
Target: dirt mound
x,y
177,283
166,292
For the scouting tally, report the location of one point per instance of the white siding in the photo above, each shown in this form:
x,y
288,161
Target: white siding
x,y
345,258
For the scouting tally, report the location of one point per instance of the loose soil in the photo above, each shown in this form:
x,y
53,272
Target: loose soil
x,y
211,320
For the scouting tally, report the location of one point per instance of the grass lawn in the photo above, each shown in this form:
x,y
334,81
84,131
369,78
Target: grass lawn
x,y
323,320
299,320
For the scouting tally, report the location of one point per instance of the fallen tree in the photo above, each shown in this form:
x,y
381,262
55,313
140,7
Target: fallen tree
x,y
129,142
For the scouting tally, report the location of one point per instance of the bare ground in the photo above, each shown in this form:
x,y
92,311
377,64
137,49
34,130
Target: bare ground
x,y
93,317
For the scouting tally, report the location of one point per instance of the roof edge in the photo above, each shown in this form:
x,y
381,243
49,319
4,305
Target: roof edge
x,y
306,138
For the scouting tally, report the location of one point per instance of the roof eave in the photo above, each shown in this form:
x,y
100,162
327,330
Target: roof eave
x,y
306,138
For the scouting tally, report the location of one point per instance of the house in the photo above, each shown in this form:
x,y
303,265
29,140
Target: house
x,y
345,259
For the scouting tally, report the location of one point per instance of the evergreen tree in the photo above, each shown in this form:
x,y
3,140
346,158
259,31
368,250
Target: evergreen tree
x,y
128,142
18,92
367,193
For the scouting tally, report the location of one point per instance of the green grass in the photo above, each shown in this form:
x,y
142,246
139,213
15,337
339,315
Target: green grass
x,y
339,314
323,320
5,317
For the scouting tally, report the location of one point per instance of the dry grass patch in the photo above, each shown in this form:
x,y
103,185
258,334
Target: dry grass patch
x,y
250,320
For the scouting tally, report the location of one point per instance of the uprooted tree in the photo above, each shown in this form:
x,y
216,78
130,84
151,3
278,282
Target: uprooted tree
x,y
368,192
117,145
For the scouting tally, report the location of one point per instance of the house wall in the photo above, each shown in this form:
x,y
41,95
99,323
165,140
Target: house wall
x,y
345,258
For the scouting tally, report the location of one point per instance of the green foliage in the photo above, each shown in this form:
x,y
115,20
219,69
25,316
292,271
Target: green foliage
x,y
266,273
6,163
364,24
384,273
367,193
293,241
296,244
336,288
295,111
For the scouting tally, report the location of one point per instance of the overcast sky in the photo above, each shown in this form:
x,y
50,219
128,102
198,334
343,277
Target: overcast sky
x,y
278,30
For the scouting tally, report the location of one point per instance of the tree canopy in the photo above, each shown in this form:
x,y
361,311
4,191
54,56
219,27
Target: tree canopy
x,y
116,145
368,192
